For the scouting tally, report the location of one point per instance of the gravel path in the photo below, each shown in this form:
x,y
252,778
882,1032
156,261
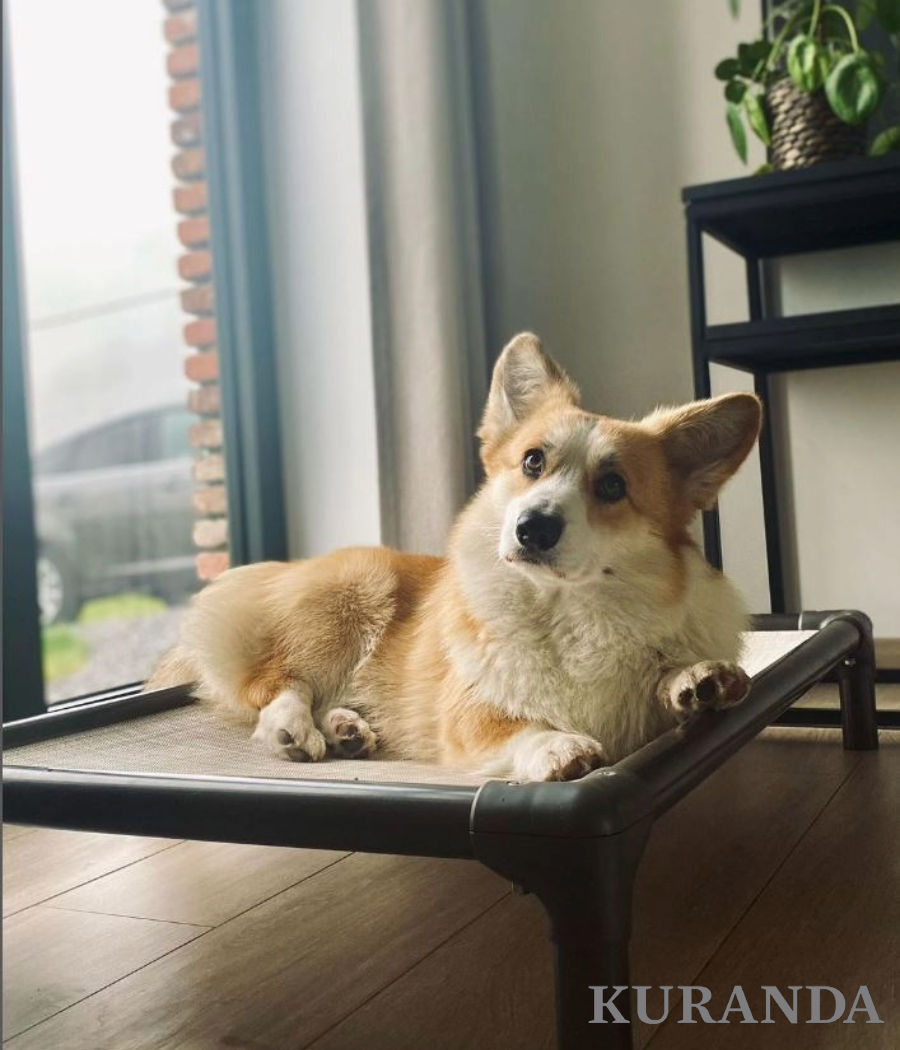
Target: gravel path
x,y
121,651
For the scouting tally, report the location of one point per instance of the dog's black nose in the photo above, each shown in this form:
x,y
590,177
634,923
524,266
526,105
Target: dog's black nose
x,y
537,531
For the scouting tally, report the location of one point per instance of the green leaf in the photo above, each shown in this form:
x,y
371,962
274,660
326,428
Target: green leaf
x,y
853,88
756,116
803,63
734,90
745,59
889,14
887,142
759,51
727,69
736,127
764,169
735,7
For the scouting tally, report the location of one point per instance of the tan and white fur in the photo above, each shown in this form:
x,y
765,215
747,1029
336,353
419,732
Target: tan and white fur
x,y
572,620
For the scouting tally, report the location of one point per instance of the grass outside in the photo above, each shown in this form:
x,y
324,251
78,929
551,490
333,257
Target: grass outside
x,y
66,651
120,607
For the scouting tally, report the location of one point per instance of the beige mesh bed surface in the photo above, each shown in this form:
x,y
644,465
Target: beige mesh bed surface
x,y
195,740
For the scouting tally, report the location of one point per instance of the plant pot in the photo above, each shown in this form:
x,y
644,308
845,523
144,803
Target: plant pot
x,y
805,131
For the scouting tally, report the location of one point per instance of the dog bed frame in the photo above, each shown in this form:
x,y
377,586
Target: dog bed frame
x,y
158,764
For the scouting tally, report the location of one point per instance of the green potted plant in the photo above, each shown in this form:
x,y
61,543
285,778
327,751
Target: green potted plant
x,y
808,87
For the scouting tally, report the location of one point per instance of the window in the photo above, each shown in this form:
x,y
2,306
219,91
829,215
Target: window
x,y
128,375
120,444
174,425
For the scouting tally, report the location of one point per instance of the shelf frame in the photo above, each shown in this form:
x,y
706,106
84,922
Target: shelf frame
x,y
830,206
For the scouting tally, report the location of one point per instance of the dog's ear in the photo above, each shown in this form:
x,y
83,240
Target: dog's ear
x,y
525,378
706,441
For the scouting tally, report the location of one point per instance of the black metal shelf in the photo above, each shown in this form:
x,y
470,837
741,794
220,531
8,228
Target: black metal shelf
x,y
839,205
782,344
826,207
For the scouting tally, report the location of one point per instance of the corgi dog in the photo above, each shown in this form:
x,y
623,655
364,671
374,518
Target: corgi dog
x,y
572,621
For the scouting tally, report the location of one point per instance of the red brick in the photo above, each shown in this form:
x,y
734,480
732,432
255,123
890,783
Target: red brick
x,y
213,499
202,367
185,95
210,468
205,400
187,131
207,433
183,61
211,564
200,333
211,532
194,233
181,27
189,164
190,199
198,300
195,266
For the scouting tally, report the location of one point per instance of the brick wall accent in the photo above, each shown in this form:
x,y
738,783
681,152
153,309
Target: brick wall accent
x,y
201,364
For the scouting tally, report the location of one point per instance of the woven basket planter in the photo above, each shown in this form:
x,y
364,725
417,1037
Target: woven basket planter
x,y
805,131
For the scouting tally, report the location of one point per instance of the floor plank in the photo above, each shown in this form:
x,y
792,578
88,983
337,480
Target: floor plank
x,y
705,863
887,694
831,916
490,987
198,882
52,959
39,866
13,831
289,969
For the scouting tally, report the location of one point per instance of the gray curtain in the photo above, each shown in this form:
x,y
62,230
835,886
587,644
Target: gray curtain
x,y
424,244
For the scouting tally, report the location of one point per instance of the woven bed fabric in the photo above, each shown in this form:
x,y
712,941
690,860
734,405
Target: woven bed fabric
x,y
194,740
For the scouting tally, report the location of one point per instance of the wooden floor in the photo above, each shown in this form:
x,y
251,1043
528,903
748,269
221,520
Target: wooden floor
x,y
782,869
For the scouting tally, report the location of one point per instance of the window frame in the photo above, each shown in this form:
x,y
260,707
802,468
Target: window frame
x,y
245,340
232,121
23,680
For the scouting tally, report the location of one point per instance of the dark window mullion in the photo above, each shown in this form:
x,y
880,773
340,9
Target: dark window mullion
x,y
23,686
232,121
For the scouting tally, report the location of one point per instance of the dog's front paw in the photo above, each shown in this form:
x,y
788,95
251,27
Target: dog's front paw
x,y
710,685
552,755
287,729
348,734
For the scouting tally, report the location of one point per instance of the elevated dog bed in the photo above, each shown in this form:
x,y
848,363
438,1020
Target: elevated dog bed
x,y
159,764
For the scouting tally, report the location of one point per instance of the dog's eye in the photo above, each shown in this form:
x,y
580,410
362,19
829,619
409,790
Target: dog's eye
x,y
533,463
610,488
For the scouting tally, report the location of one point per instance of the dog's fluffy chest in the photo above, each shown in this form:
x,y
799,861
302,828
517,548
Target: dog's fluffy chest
x,y
568,667
587,660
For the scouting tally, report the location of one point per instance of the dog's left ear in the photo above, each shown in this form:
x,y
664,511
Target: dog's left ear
x,y
525,378
705,442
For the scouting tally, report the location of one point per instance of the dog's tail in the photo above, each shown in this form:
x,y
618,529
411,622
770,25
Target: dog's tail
x,y
176,667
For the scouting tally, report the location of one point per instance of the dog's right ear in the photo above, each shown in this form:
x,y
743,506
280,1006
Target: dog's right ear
x,y
525,378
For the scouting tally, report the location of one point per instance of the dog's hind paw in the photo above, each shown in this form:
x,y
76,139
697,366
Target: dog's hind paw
x,y
348,734
710,685
287,729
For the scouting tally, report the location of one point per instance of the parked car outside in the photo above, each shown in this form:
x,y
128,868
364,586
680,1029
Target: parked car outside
x,y
114,512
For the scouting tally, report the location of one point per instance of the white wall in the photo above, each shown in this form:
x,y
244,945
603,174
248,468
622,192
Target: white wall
x,y
601,113
313,154
840,431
